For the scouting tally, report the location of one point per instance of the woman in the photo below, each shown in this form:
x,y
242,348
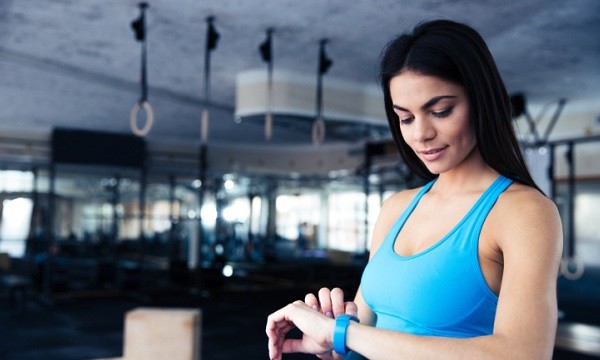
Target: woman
x,y
464,267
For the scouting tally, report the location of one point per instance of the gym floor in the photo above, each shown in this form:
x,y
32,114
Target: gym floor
x,y
89,324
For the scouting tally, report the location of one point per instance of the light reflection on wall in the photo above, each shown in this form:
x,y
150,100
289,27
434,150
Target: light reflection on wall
x,y
587,227
209,214
14,181
237,211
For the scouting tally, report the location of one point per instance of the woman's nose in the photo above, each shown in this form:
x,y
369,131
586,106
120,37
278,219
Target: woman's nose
x,y
423,130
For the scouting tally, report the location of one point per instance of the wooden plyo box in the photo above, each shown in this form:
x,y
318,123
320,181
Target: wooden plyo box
x,y
160,333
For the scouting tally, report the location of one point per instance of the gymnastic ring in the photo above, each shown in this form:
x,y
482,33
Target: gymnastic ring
x,y
318,132
149,118
566,263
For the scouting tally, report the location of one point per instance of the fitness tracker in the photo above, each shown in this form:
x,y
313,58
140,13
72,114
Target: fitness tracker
x,y
339,332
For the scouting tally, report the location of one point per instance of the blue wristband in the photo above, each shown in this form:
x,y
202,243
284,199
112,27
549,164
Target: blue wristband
x,y
339,332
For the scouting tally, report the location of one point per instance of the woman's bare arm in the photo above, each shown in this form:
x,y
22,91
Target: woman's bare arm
x,y
529,234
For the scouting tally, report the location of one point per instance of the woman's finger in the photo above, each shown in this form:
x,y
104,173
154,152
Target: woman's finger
x,y
325,301
337,302
351,308
312,301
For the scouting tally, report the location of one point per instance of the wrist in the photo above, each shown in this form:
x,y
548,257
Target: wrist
x,y
339,332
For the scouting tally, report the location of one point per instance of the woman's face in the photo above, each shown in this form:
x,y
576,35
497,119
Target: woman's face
x,y
433,116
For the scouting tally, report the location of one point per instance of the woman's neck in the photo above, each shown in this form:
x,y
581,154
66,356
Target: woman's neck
x,y
471,175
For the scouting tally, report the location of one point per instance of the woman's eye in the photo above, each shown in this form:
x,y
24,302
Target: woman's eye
x,y
443,113
406,121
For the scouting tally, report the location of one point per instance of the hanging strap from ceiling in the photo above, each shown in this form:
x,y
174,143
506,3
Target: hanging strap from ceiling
x,y
266,52
212,39
139,28
318,128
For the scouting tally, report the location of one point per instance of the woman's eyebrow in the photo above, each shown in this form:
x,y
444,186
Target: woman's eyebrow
x,y
428,104
435,100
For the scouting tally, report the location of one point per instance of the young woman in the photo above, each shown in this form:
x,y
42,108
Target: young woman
x,y
464,267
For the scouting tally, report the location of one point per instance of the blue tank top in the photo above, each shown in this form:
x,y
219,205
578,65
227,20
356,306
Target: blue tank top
x,y
440,291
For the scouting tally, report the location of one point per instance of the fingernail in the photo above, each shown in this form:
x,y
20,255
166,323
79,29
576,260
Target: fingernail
x,y
329,314
315,307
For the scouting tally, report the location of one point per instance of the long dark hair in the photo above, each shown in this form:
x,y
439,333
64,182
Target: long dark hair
x,y
457,53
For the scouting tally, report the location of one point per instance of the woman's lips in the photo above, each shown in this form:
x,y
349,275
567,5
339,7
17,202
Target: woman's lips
x,y
433,154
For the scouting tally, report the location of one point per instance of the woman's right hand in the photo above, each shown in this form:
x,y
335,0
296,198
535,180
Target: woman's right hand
x,y
331,304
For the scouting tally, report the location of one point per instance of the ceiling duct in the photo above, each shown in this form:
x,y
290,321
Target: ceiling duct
x,y
294,94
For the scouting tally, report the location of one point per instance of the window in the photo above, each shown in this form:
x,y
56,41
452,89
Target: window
x,y
347,220
293,210
14,226
16,210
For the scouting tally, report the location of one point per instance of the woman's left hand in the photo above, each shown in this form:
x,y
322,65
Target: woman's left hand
x,y
316,331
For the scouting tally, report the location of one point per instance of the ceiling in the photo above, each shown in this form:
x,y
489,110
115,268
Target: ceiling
x,y
76,64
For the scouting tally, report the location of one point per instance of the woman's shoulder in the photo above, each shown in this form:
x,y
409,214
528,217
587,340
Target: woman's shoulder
x,y
395,205
525,198
526,210
390,210
400,199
